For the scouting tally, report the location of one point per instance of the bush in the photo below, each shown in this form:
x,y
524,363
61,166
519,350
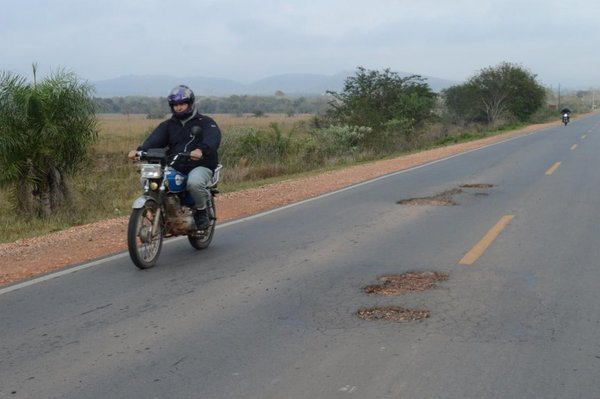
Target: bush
x,y
373,99
256,146
495,95
340,140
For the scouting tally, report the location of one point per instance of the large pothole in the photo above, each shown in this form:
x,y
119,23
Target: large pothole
x,y
443,199
392,313
394,285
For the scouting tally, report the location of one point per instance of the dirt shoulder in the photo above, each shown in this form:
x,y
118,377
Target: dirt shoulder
x,y
30,257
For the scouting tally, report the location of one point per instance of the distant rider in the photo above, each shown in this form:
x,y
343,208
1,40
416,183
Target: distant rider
x,y
174,133
566,115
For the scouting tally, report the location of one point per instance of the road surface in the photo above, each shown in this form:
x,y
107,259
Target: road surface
x,y
269,310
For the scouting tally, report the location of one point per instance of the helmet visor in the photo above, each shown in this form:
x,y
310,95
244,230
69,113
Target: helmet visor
x,y
181,95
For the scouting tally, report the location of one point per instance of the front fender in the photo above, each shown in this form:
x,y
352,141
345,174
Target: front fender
x,y
140,202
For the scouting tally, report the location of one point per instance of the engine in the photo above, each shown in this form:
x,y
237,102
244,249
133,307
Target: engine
x,y
179,219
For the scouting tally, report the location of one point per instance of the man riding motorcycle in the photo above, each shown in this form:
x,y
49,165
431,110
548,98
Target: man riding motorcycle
x,y
174,133
566,115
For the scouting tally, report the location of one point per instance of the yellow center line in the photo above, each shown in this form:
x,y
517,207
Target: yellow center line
x,y
479,248
553,168
574,146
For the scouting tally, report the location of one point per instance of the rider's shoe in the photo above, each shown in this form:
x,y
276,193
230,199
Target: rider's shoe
x,y
201,219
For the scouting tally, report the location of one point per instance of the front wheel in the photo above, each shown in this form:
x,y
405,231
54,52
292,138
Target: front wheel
x,y
143,244
201,239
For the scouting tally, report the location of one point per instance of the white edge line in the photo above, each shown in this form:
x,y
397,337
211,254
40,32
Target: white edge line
x,y
60,273
84,266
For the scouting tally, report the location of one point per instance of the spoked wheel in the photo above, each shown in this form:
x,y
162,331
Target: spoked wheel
x,y
144,246
201,239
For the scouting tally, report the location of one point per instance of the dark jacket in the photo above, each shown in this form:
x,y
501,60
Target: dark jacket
x,y
174,134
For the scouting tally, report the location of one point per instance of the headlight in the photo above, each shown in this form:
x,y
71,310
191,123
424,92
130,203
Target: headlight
x,y
151,171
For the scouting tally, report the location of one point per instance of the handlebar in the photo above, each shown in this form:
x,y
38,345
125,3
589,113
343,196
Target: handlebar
x,y
161,156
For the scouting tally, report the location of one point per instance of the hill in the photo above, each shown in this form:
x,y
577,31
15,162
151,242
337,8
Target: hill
x,y
294,84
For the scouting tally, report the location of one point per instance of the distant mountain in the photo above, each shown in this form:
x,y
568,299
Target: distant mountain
x,y
293,84
159,86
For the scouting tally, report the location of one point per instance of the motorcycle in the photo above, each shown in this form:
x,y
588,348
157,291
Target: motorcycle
x,y
566,119
166,208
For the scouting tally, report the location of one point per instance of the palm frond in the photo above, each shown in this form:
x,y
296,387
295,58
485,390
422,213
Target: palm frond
x,y
45,128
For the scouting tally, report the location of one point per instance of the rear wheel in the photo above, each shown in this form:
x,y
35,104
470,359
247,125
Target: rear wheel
x,y
144,245
201,239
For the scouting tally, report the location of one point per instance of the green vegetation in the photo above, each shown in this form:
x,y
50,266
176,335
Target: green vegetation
x,y
157,107
378,115
46,129
380,99
497,94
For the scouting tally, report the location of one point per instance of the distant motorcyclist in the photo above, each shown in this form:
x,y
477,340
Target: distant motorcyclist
x,y
174,133
566,115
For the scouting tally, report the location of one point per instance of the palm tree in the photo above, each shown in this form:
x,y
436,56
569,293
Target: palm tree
x,y
46,129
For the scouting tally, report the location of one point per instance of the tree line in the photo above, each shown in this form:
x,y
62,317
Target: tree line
x,y
157,107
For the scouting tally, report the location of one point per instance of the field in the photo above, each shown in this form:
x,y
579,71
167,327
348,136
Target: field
x,y
109,184
120,132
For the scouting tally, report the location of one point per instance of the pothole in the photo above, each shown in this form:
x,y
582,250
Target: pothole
x,y
399,284
392,313
443,199
477,185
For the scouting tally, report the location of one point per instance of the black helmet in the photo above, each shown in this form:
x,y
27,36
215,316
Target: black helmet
x,y
182,95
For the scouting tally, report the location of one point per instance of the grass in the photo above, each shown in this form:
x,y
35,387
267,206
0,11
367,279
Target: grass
x,y
109,183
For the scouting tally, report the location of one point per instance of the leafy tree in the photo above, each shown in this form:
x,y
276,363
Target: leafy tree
x,y
373,99
460,102
506,90
526,95
46,129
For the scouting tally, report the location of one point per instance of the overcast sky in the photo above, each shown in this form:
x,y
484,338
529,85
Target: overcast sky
x,y
246,40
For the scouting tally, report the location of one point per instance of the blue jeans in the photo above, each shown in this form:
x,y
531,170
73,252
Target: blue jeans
x,y
198,179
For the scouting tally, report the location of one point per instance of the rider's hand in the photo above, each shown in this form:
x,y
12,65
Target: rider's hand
x,y
196,154
133,155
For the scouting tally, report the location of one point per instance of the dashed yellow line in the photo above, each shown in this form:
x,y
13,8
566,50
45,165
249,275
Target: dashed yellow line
x,y
479,248
552,169
584,136
574,146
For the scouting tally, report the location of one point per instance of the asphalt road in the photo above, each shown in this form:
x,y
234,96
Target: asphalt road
x,y
269,310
